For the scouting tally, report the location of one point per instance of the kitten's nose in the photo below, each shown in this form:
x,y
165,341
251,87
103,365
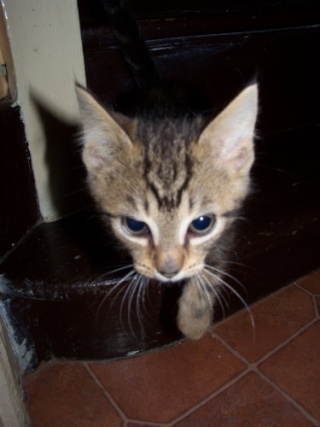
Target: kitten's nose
x,y
169,266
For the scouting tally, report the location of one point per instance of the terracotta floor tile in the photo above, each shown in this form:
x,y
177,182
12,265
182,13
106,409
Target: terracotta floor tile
x,y
249,402
311,282
139,425
277,317
64,395
157,387
296,369
161,386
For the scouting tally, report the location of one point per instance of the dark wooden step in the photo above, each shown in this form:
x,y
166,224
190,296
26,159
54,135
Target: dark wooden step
x,y
55,284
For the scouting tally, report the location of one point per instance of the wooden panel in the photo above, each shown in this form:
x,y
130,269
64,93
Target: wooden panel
x,y
220,63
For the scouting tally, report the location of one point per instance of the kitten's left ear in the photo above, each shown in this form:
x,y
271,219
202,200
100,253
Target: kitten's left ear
x,y
104,138
230,135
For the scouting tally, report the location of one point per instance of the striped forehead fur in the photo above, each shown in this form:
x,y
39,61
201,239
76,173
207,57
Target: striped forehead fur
x,y
168,162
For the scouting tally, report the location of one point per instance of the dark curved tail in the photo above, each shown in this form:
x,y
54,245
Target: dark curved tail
x,y
131,43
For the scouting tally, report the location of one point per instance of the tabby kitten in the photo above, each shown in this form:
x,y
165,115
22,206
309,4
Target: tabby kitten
x,y
171,188
171,184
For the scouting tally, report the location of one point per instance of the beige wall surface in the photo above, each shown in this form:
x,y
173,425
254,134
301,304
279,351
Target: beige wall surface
x,y
45,44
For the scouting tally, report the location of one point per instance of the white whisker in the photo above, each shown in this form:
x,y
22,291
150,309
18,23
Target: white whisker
x,y
203,290
236,293
224,273
230,262
219,297
139,299
125,296
116,270
130,293
119,283
134,292
116,287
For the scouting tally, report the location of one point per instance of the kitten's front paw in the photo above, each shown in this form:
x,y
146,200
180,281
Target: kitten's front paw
x,y
193,322
193,327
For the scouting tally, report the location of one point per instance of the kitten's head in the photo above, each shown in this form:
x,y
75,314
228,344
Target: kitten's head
x,y
170,186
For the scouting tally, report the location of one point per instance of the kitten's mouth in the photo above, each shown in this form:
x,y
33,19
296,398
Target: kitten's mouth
x,y
161,277
178,276
166,276
169,278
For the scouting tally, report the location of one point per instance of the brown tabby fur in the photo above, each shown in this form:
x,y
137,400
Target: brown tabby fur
x,y
167,172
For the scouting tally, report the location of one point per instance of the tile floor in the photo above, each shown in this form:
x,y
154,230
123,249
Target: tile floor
x,y
234,376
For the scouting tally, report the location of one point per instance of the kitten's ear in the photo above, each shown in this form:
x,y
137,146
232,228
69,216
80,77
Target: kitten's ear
x,y
103,138
230,135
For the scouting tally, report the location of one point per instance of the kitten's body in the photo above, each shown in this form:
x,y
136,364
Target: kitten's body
x,y
171,182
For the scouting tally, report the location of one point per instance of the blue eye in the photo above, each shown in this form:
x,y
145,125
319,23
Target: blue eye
x,y
135,227
202,224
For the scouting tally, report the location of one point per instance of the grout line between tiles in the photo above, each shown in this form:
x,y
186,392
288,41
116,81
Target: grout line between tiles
x,y
314,298
175,420
271,352
106,393
116,406
316,308
232,350
286,342
254,367
149,423
254,304
288,397
211,396
306,290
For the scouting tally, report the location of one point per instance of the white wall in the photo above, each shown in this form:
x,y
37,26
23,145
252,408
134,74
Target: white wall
x,y
45,43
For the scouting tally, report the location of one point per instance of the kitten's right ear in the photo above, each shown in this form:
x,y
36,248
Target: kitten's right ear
x,y
229,137
103,138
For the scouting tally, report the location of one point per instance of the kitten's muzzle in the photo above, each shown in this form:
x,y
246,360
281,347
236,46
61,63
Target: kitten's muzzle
x,y
169,265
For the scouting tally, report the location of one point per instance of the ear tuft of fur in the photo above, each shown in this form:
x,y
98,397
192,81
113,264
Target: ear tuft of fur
x,y
102,137
230,135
